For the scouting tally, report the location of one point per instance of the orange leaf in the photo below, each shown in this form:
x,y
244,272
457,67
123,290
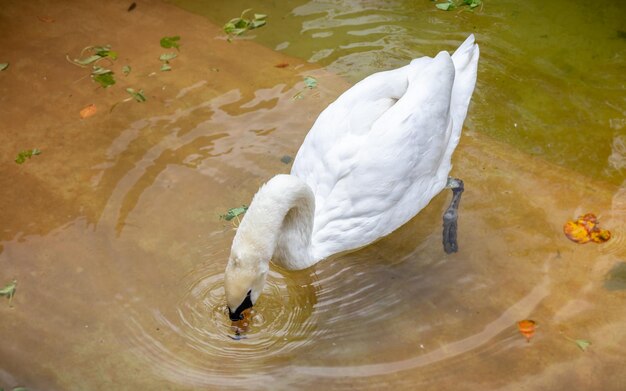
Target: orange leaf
x,y
586,229
527,328
282,65
88,111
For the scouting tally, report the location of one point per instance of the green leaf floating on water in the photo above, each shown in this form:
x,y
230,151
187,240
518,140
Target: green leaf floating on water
x,y
234,212
4,66
105,79
138,95
9,289
100,71
473,3
168,56
97,54
166,67
445,6
310,82
87,60
238,26
23,155
170,42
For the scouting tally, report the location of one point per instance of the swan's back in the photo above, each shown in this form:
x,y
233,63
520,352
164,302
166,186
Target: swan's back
x,y
377,155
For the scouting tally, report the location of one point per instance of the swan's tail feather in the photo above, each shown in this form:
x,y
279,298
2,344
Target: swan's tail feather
x,y
465,60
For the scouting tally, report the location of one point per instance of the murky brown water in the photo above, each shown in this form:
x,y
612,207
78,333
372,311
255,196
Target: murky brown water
x,y
113,234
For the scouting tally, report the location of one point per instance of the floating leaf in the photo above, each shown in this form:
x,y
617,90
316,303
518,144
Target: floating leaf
x,y
97,53
234,212
126,69
166,67
100,71
4,66
23,155
168,56
170,42
240,25
586,229
445,6
88,111
105,52
106,80
9,290
132,6
309,82
87,60
527,328
138,95
583,344
473,3
282,65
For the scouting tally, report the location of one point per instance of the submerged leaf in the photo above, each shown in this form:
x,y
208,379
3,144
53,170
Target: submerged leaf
x,y
234,212
170,42
4,66
88,111
166,67
45,19
126,70
583,344
138,95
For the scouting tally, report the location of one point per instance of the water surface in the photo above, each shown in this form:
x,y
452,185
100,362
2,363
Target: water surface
x,y
114,236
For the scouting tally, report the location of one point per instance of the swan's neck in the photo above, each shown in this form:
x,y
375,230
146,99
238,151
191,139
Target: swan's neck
x,y
279,223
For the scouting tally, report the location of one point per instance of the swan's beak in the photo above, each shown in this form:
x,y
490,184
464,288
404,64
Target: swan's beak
x,y
237,314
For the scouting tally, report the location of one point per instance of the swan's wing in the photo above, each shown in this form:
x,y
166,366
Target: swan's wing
x,y
369,178
392,172
327,151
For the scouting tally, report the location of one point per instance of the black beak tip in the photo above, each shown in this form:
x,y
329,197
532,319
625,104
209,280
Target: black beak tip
x,y
235,316
238,313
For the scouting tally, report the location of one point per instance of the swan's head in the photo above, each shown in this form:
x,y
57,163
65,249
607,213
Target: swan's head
x,y
243,282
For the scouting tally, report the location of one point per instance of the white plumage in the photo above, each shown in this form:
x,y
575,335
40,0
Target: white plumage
x,y
373,159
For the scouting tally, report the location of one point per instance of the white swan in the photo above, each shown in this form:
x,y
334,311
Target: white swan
x,y
373,159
